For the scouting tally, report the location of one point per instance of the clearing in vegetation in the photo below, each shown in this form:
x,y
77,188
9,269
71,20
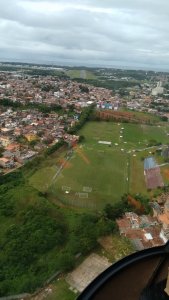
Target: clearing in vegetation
x,y
109,171
82,74
116,248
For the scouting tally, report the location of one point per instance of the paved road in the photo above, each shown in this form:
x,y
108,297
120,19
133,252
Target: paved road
x,y
162,165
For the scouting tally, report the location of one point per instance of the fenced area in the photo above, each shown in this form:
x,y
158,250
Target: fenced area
x,y
152,174
153,178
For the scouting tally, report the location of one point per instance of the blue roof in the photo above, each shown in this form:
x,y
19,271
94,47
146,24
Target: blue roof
x,y
149,163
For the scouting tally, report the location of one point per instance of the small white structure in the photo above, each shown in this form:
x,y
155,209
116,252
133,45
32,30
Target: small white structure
x,y
148,236
87,189
104,143
89,102
66,189
158,90
163,237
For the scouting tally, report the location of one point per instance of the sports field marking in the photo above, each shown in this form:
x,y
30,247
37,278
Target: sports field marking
x,y
65,163
82,195
87,189
104,142
66,188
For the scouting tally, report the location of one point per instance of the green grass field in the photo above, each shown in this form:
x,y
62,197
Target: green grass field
x,y
137,180
143,115
165,173
98,174
84,74
61,291
105,173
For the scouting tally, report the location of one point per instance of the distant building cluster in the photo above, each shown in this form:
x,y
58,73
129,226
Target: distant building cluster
x,y
159,90
27,131
49,91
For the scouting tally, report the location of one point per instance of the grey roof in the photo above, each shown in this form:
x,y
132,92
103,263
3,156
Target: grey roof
x,y
149,163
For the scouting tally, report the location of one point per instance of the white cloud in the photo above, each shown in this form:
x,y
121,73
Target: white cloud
x,y
124,32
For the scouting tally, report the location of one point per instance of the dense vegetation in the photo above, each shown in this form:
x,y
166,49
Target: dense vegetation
x,y
85,116
38,238
55,147
111,84
45,72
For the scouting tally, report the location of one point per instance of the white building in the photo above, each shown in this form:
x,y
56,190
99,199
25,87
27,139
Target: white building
x,y
159,90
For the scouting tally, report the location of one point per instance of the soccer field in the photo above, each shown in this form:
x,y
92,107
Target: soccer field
x,y
93,178
97,174
133,136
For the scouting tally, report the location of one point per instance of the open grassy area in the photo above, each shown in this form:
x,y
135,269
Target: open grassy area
x,y
144,115
42,178
102,171
165,173
98,174
61,291
137,180
140,135
116,247
83,74
136,136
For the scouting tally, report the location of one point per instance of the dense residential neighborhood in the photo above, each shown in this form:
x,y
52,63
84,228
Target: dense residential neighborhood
x,y
38,111
25,132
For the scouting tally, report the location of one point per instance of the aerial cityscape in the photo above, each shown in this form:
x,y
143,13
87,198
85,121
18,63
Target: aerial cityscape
x,y
84,150
89,154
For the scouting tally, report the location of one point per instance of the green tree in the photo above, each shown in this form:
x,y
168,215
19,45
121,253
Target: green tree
x,y
1,151
164,119
116,210
81,138
66,261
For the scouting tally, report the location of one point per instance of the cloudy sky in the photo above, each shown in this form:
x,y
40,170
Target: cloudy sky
x,y
131,33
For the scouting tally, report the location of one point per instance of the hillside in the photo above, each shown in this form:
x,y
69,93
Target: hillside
x,y
39,238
